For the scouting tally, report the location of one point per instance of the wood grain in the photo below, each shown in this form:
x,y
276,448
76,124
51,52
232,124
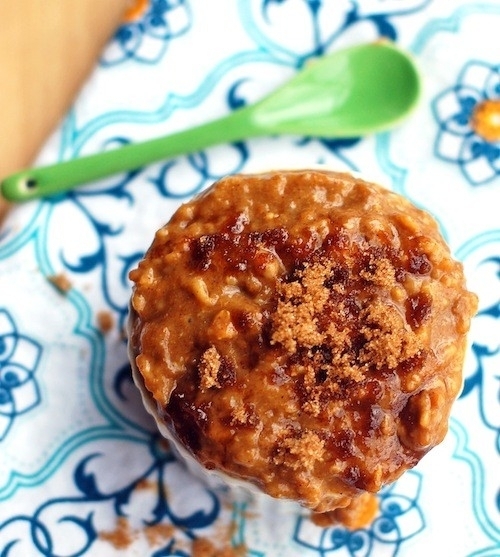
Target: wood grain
x,y
47,49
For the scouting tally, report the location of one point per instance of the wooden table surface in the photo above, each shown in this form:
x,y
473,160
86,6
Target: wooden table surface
x,y
47,49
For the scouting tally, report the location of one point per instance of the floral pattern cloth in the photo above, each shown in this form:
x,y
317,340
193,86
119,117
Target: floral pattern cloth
x,y
83,471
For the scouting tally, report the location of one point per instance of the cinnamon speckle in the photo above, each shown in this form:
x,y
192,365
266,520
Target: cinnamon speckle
x,y
157,534
122,536
203,547
61,282
105,321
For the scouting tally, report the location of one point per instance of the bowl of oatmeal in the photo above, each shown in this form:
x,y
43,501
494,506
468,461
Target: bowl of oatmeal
x,y
301,333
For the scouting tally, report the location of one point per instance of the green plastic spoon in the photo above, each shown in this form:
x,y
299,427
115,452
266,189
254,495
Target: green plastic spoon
x,y
350,93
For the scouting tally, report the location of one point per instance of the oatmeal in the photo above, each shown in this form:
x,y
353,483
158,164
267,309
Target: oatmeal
x,y
303,331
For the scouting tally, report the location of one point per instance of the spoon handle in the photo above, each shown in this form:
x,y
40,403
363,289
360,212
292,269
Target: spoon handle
x,y
57,178
352,92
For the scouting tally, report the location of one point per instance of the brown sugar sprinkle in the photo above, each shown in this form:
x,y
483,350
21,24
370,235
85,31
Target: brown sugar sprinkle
x,y
239,414
307,448
61,282
214,370
345,344
209,367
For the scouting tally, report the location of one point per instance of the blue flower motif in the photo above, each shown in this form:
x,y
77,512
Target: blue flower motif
x,y
145,38
468,118
139,502
400,519
19,358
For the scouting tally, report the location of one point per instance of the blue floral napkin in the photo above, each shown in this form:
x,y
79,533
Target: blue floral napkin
x,y
82,468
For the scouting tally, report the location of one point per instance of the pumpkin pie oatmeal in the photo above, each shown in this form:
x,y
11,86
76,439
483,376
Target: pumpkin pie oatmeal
x,y
303,332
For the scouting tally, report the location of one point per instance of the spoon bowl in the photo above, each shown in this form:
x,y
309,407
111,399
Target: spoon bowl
x,y
350,93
